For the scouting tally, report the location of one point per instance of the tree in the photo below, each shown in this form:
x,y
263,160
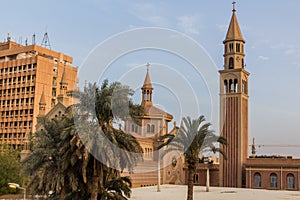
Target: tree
x,y
10,170
82,155
98,110
46,164
192,138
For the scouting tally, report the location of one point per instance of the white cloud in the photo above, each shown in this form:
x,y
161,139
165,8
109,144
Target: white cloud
x,y
148,13
263,58
290,51
190,24
296,63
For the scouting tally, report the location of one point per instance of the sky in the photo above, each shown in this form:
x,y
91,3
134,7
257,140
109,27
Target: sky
x,y
185,56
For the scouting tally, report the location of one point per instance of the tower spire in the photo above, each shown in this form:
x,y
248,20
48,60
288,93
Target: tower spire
x,y
147,82
63,82
42,103
147,88
234,31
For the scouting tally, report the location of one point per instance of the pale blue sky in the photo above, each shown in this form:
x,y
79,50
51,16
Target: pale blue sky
x,y
270,27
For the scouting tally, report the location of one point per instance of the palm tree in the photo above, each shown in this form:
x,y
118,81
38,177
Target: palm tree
x,y
72,157
45,165
96,113
192,138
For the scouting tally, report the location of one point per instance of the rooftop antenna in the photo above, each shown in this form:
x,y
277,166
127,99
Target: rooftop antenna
x,y
33,38
46,41
8,37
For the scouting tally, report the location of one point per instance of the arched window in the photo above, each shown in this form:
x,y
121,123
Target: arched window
x,y
225,86
148,128
290,179
235,85
231,86
257,180
231,63
273,180
152,128
244,87
132,127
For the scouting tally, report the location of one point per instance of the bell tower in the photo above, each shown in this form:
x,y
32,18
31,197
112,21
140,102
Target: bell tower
x,y
147,89
234,107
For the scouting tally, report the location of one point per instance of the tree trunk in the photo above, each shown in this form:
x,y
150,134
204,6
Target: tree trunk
x,y
63,193
94,191
191,172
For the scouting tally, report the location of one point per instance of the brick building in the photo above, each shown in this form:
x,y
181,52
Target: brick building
x,y
240,169
27,72
153,125
271,172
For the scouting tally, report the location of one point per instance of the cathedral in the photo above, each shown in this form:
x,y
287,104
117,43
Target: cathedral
x,y
238,169
154,124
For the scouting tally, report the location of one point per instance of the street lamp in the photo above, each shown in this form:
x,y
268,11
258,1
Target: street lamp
x,y
15,185
158,152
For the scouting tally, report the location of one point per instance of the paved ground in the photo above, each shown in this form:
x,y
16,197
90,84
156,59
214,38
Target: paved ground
x,y
176,192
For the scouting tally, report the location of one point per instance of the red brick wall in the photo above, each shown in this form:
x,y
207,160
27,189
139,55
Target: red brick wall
x,y
265,177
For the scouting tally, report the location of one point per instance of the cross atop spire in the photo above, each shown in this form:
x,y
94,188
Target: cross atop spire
x,y
147,65
233,6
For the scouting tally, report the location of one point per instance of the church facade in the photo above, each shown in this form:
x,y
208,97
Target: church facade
x,y
154,124
238,169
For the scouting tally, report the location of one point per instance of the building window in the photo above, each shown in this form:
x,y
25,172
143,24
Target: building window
x,y
148,128
196,178
238,47
244,87
230,47
290,181
225,86
257,180
231,63
273,180
132,128
152,128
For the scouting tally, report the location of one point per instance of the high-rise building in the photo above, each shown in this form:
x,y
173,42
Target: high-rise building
x,y
234,107
32,80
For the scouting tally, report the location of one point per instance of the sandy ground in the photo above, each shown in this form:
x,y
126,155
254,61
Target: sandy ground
x,y
178,192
